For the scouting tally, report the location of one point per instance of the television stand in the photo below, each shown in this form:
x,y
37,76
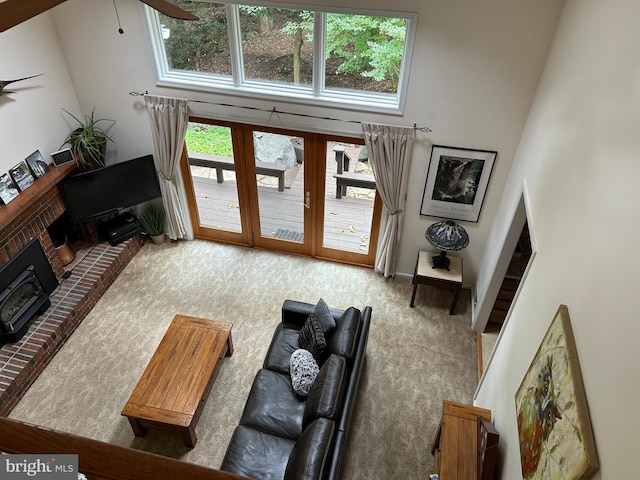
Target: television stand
x,y
120,228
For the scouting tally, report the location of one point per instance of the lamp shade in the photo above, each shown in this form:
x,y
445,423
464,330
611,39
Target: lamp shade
x,y
447,235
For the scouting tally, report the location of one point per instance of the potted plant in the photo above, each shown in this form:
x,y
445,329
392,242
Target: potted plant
x,y
89,141
152,220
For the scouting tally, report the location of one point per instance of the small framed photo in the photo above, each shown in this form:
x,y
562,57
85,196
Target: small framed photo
x,y
457,180
8,188
37,164
22,176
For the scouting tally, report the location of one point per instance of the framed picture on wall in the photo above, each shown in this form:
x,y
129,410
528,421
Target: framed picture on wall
x,y
457,181
554,429
22,176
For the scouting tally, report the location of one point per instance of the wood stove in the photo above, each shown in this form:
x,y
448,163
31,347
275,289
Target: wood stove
x,y
26,282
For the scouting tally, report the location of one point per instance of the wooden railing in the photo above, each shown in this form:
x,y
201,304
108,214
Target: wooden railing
x,y
99,460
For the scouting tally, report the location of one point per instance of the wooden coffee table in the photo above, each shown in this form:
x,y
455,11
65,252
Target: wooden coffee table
x,y
173,389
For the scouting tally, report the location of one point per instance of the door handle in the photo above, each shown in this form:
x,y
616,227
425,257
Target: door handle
x,y
307,203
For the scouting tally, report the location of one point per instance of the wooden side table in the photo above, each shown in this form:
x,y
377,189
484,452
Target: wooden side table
x,y
437,277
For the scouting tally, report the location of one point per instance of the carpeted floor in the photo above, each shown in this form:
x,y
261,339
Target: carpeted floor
x,y
416,357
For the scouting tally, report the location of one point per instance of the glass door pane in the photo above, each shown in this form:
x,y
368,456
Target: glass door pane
x,y
349,198
212,166
280,188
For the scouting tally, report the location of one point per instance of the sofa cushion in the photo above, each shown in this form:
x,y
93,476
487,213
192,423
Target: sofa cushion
x,y
296,313
304,370
327,393
283,343
312,337
273,406
344,339
308,458
255,454
325,319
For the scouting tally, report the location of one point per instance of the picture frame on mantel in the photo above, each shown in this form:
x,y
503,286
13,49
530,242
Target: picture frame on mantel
x,y
457,182
37,164
8,188
22,176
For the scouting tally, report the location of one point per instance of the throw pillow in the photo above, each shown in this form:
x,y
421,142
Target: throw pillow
x,y
326,320
312,337
304,370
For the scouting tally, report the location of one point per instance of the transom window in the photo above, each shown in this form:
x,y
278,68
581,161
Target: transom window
x,y
355,59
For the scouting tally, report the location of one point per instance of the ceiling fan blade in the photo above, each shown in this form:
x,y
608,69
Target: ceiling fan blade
x,y
13,12
170,10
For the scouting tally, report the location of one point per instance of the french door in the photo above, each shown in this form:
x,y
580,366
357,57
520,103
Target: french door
x,y
279,190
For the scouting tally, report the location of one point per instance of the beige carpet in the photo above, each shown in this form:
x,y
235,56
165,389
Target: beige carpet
x,y
416,357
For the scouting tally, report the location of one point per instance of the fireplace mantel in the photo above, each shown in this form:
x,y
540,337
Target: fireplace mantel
x,y
13,210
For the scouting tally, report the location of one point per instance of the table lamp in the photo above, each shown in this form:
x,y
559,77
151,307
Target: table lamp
x,y
446,235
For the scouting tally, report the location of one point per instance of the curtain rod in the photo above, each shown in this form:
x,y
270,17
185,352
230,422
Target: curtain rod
x,y
274,110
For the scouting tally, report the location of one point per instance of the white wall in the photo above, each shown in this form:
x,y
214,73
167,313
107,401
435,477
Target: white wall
x,y
32,119
579,158
475,68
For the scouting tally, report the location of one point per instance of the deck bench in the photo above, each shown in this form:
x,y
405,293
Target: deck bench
x,y
344,180
342,158
270,169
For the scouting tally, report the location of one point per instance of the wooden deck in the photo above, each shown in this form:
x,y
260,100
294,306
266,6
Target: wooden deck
x,y
347,222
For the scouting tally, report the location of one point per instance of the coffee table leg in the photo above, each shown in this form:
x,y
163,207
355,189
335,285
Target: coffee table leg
x,y
189,436
136,426
229,346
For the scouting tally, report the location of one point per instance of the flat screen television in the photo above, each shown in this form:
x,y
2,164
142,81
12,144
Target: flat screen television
x,y
110,189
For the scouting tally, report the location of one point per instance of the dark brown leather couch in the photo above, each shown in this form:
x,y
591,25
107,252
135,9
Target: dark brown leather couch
x,y
282,435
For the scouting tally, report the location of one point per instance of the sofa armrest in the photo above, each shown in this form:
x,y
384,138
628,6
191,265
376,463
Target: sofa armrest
x,y
296,313
308,459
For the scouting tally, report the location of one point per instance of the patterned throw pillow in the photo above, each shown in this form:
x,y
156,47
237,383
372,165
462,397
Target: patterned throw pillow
x,y
312,337
326,320
304,370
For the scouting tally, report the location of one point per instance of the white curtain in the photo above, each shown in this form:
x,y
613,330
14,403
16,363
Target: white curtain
x,y
169,119
389,150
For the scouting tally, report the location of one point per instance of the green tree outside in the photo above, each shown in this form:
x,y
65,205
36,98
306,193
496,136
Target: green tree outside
x,y
371,47
189,42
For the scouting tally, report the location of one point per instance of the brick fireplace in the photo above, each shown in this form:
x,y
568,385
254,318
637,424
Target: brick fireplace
x,y
27,217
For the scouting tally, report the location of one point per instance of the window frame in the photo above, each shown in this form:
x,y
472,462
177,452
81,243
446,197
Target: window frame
x,y
316,94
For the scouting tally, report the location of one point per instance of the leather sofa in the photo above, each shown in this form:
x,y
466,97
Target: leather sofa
x,y
283,435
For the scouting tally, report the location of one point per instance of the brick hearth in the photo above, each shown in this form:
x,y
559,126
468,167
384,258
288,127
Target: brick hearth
x,y
23,361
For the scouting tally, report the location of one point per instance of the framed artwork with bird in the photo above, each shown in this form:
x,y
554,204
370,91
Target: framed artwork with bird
x,y
554,429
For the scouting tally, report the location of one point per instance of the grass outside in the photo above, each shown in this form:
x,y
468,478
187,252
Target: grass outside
x,y
212,139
